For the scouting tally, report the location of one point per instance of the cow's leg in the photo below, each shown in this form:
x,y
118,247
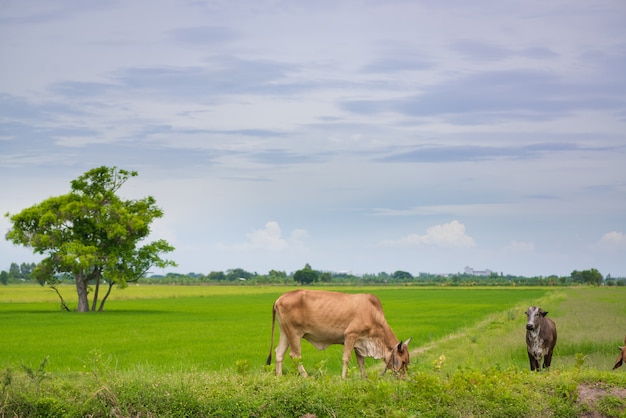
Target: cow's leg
x,y
295,354
534,364
547,360
348,345
281,349
361,362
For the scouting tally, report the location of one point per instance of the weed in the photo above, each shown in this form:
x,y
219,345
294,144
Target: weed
x,y
321,367
242,367
37,376
612,406
7,379
510,315
438,363
579,360
97,365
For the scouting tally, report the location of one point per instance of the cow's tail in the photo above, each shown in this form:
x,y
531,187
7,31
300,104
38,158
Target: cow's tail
x,y
269,357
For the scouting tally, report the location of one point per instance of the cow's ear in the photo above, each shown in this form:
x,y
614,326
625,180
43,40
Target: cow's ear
x,y
403,345
544,313
620,348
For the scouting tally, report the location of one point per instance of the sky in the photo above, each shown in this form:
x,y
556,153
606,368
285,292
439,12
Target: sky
x,y
356,136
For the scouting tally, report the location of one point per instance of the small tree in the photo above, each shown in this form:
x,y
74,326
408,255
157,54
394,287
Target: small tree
x,y
92,235
277,276
306,276
402,275
233,275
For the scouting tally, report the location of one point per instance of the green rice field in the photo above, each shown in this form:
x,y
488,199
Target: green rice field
x,y
210,328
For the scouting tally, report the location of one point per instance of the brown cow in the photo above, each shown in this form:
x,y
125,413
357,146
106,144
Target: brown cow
x,y
540,337
324,318
622,356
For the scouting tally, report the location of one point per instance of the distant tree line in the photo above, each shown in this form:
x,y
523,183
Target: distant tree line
x,y
17,273
20,273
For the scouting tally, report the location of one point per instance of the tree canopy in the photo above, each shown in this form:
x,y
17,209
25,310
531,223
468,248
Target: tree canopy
x,y
306,276
92,235
591,276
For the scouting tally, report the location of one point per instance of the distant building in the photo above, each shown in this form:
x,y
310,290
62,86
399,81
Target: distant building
x,y
470,271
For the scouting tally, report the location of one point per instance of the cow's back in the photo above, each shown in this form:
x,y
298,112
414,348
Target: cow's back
x,y
326,315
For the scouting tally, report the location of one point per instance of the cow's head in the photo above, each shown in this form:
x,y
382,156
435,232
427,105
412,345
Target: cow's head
x,y
399,358
534,314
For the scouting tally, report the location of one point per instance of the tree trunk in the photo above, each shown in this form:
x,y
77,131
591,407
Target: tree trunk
x,y
63,304
104,299
81,289
96,274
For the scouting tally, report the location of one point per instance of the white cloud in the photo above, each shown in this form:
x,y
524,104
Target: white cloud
x,y
447,235
298,236
270,238
614,241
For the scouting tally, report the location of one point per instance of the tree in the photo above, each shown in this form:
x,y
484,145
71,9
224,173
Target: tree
x,y
216,276
238,274
306,276
92,235
592,276
276,276
326,277
14,271
402,275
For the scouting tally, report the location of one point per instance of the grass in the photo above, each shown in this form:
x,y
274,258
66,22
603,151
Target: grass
x,y
469,365
590,324
212,328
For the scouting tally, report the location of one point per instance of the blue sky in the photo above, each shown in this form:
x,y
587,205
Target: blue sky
x,y
359,136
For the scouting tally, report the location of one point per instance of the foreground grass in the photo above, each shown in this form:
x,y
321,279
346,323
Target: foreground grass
x,y
463,393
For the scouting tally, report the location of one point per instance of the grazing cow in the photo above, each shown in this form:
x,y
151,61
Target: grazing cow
x,y
324,318
540,337
622,356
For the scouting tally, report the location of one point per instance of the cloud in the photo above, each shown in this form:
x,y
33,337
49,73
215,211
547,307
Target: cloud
x,y
268,238
452,153
499,95
613,241
449,235
481,51
271,238
393,64
518,247
218,76
203,35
